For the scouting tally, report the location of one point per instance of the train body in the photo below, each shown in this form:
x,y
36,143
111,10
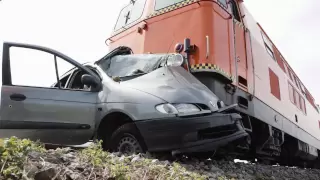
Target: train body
x,y
231,54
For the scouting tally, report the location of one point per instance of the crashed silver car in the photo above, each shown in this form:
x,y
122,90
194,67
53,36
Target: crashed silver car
x,y
133,102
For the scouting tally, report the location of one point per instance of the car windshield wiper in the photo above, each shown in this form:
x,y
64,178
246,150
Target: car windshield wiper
x,y
137,72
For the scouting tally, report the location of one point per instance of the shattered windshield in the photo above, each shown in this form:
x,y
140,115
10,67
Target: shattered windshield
x,y
132,65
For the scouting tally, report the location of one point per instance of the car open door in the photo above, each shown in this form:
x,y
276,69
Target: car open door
x,y
35,103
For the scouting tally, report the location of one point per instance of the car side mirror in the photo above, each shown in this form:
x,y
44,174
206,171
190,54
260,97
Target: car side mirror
x,y
89,80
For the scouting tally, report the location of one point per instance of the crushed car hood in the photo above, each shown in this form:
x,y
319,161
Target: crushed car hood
x,y
173,85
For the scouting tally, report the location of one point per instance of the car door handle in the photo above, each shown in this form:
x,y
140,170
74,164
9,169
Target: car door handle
x,y
18,97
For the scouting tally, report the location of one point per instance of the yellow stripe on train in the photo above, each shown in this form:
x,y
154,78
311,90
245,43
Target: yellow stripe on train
x,y
212,67
172,7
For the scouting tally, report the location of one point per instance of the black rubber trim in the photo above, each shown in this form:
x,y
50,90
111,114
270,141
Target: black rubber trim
x,y
41,125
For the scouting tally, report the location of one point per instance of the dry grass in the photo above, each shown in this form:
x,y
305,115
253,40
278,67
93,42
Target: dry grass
x,y
24,159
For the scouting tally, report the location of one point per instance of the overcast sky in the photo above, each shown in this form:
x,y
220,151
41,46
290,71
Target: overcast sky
x,y
79,28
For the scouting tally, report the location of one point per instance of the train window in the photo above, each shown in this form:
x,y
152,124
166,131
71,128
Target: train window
x,y
285,67
303,89
291,93
235,10
268,45
130,13
269,51
296,81
311,100
290,74
296,118
296,96
165,3
125,12
299,84
300,106
303,104
223,2
281,62
137,10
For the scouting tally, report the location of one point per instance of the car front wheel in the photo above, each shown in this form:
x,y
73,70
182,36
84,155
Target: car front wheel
x,y
127,140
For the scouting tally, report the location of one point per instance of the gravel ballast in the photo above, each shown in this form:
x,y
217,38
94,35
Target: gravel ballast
x,y
68,166
231,170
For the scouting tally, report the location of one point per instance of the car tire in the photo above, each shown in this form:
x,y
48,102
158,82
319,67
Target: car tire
x,y
127,140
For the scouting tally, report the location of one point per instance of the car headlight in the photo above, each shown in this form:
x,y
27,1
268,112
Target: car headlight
x,y
186,108
167,109
177,108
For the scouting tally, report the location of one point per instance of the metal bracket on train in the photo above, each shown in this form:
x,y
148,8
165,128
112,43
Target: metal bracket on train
x,y
230,88
188,49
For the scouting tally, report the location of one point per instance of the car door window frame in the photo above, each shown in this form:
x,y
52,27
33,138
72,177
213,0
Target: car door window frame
x,y
6,68
68,73
71,80
75,73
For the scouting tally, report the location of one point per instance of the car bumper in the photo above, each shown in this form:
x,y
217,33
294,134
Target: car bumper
x,y
191,134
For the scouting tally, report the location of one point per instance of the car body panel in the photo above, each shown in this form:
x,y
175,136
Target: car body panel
x,y
51,115
174,85
136,104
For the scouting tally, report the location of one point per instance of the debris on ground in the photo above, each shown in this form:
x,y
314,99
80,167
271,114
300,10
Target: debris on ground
x,y
24,159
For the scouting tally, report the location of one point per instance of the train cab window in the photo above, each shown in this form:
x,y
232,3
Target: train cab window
x,y
165,3
235,10
125,12
130,13
223,2
137,10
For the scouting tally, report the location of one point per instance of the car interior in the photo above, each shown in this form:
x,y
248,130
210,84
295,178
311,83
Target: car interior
x,y
75,81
